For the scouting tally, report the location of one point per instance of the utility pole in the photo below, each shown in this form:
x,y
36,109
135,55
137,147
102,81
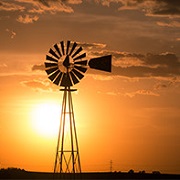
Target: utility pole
x,y
111,165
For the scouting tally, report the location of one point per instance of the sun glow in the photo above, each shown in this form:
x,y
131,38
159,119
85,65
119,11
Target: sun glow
x,y
45,119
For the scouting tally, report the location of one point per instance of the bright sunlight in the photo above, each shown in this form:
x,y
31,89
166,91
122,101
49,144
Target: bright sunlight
x,y
45,119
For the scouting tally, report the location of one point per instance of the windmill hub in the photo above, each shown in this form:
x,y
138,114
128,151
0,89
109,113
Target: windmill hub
x,y
65,64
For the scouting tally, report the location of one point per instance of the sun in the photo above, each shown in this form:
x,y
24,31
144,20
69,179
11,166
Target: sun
x,y
45,119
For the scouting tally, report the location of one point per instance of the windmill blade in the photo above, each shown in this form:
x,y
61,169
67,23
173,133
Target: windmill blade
x,y
84,63
66,81
78,74
74,78
50,65
58,78
53,76
67,49
57,49
101,63
82,69
62,46
78,51
73,47
49,71
51,58
80,57
53,53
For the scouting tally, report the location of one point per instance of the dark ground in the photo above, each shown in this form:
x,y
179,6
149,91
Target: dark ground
x,y
22,174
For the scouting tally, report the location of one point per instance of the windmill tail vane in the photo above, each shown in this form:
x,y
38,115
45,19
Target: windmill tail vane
x,y
65,66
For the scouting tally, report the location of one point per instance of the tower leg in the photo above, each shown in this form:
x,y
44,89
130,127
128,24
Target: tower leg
x,y
67,158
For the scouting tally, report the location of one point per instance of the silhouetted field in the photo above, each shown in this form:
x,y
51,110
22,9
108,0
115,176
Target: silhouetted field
x,y
13,173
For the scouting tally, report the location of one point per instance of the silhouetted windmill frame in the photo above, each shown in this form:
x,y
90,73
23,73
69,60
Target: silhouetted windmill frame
x,y
65,66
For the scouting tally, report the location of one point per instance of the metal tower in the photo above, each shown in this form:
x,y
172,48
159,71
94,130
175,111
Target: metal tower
x,y
67,153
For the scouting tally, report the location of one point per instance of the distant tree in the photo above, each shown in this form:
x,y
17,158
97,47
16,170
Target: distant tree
x,y
131,171
11,169
156,172
142,172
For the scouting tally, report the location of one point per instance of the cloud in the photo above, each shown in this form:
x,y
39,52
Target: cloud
x,y
132,65
123,59
143,71
141,92
73,1
42,6
10,6
150,65
3,65
164,59
38,85
111,93
40,67
34,7
12,33
170,24
27,19
91,46
102,77
163,84
144,92
138,71
166,8
140,65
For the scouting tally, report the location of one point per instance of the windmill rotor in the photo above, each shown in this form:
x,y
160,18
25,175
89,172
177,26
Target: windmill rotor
x,y
65,63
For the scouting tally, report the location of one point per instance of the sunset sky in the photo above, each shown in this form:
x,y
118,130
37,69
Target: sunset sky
x,y
130,116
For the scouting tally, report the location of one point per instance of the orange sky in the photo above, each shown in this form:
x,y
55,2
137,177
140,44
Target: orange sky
x,y
130,116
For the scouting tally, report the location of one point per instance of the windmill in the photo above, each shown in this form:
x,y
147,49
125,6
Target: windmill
x,y
65,66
